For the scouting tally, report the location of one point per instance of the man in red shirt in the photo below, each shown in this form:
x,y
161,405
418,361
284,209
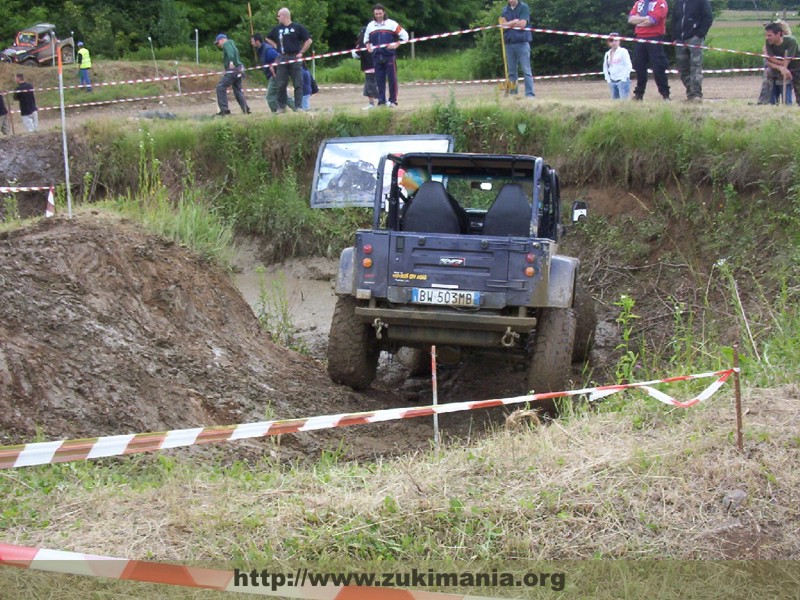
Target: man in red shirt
x,y
650,19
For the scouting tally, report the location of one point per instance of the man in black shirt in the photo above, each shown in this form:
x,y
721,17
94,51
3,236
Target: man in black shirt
x,y
291,40
27,103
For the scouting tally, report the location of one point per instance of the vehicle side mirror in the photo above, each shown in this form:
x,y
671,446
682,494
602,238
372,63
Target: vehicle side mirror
x,y
580,211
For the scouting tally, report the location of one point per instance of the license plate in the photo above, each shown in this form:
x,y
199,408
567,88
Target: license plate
x,y
445,297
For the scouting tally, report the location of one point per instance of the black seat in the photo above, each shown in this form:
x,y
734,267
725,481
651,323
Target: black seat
x,y
510,213
431,211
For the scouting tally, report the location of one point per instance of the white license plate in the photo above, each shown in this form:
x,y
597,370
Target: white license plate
x,y
445,297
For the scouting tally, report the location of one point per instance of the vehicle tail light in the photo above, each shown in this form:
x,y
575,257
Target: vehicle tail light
x,y
367,248
530,271
367,262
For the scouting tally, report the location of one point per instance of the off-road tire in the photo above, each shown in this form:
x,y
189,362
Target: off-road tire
x,y
552,353
585,324
352,348
416,360
30,62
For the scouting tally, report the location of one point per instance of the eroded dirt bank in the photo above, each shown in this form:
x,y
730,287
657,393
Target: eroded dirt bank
x,y
106,329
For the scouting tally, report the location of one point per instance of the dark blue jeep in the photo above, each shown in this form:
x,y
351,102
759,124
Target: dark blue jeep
x,y
462,253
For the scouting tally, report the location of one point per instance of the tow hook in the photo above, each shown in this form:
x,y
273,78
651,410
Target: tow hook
x,y
509,337
378,325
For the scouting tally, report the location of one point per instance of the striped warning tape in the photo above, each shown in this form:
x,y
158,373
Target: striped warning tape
x,y
356,86
28,188
75,563
42,453
436,36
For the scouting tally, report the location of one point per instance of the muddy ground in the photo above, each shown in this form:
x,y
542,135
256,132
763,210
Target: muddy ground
x,y
105,329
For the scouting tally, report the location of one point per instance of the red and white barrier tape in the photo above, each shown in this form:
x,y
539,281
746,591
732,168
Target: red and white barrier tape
x,y
13,190
426,38
409,84
75,563
42,453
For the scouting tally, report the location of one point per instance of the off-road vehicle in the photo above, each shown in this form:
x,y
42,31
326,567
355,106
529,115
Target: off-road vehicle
x,y
37,45
462,253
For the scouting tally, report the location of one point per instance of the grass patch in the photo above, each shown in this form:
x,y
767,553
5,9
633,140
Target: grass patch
x,y
608,485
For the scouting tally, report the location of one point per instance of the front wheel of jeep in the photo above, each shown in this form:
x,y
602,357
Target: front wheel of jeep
x,y
352,347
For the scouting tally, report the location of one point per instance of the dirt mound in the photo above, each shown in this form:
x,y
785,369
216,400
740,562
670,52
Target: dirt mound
x,y
106,329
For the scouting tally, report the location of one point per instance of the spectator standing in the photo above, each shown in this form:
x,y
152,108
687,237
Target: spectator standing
x,y
84,64
617,68
518,44
232,78
291,40
382,37
691,21
368,68
266,58
782,62
27,103
650,19
3,116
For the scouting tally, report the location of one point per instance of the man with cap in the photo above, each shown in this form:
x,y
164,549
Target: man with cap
x,y
84,64
234,73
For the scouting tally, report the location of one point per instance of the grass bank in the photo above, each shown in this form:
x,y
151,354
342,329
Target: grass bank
x,y
705,244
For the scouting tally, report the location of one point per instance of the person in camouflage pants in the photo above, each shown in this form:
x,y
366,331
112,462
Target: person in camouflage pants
x,y
691,20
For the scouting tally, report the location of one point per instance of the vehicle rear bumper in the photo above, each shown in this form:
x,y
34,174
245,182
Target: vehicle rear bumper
x,y
446,319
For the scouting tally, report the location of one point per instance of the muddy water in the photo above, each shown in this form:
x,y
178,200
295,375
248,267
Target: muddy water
x,y
298,291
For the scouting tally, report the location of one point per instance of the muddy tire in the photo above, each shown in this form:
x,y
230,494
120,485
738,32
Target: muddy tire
x,y
585,324
416,360
552,353
30,62
352,348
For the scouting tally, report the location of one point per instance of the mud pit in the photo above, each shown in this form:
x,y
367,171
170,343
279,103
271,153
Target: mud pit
x,y
106,329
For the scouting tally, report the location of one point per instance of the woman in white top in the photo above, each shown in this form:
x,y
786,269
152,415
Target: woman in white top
x,y
617,69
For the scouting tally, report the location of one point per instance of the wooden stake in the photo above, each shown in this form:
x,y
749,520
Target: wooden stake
x,y
252,31
507,83
435,399
738,393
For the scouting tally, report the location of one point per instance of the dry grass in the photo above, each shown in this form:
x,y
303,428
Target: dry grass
x,y
644,483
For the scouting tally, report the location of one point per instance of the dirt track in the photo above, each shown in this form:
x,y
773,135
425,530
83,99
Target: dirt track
x,y
738,88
